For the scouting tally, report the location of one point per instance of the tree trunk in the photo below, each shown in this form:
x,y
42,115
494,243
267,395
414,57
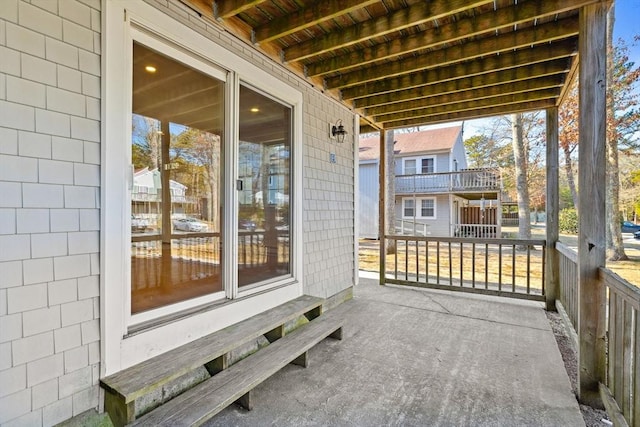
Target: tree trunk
x,y
520,158
571,180
390,199
615,247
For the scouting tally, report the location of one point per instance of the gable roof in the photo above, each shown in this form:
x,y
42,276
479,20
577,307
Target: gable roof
x,y
440,139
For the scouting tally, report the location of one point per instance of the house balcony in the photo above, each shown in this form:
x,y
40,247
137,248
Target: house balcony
x,y
469,181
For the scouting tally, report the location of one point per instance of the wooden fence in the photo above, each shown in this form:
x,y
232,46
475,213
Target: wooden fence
x,y
620,391
505,267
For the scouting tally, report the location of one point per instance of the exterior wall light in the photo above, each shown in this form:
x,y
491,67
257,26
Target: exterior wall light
x,y
338,131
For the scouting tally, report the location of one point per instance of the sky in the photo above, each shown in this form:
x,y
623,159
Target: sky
x,y
627,25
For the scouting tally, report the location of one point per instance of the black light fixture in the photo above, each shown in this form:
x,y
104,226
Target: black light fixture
x,y
338,132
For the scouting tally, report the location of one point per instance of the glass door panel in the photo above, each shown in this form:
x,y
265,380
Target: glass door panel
x,y
176,197
264,184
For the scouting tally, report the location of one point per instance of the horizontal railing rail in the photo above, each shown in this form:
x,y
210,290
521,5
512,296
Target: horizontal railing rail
x,y
476,180
506,267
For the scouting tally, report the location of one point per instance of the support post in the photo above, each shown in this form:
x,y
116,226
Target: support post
x,y
591,201
382,204
552,262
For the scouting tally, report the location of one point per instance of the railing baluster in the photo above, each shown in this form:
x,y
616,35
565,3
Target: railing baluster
x,y
473,265
395,258
513,268
450,266
500,266
426,260
486,266
438,262
406,260
529,269
417,261
461,262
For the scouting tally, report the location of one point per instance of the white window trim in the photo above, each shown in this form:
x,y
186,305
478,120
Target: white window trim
x,y
418,208
419,160
118,350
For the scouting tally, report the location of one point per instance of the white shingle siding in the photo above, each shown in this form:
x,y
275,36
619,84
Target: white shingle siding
x,y
49,128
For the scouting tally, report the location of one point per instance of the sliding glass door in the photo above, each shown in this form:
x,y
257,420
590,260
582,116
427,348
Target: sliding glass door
x,y
264,184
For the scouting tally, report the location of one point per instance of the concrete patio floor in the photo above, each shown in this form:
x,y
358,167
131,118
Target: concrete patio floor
x,y
423,358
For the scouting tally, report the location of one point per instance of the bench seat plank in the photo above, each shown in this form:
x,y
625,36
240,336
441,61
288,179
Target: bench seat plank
x,y
146,376
203,401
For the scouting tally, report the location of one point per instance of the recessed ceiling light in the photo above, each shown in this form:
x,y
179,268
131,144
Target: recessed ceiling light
x,y
150,69
255,110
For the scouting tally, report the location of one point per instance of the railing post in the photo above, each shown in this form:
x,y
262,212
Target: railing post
x,y
591,239
552,272
382,204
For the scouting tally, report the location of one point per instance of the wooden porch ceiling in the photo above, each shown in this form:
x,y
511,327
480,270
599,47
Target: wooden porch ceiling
x,y
401,63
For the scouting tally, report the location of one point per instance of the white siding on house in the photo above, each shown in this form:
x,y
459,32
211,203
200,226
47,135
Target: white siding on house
x,y
459,153
438,227
49,186
368,200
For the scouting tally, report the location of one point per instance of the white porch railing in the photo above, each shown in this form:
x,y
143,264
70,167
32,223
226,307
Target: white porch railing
x,y
410,227
467,180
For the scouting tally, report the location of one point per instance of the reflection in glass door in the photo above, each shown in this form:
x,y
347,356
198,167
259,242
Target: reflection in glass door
x,y
264,184
176,150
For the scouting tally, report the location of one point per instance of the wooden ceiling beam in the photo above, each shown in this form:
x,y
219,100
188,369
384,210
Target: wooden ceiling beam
x,y
464,28
452,97
315,14
474,104
536,36
520,58
224,9
472,114
444,84
395,21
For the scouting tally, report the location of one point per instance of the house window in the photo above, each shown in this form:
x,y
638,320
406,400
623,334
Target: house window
x,y
408,208
426,208
428,165
419,165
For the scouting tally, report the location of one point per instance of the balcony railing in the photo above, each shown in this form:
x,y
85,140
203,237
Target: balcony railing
x,y
477,180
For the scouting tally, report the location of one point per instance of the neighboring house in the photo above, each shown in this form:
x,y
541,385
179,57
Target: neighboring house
x,y
91,94
435,193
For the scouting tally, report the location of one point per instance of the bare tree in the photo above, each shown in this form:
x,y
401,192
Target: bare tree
x,y
520,155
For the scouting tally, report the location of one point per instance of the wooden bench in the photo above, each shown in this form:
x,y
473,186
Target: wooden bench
x,y
126,389
200,403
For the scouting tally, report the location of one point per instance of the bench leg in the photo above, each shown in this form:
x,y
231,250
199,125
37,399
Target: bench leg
x,y
121,413
337,334
302,360
275,334
245,401
316,312
218,364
